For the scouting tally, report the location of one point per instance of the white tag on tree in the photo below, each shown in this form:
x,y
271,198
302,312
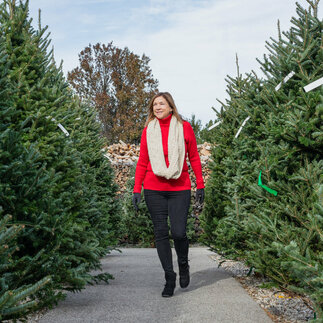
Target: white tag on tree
x,y
243,123
313,85
215,125
64,130
60,126
286,78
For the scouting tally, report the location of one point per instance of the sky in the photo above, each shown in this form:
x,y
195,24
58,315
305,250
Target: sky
x,y
192,44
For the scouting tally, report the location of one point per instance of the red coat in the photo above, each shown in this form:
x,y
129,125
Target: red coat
x,y
145,175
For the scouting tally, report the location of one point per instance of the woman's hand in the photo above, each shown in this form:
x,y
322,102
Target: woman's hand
x,y
136,198
199,196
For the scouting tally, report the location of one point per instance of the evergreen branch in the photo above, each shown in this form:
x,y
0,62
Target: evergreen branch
x,y
18,309
314,6
279,33
5,298
30,290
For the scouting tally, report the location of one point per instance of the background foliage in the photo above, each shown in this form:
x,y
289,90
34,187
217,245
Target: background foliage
x,y
119,84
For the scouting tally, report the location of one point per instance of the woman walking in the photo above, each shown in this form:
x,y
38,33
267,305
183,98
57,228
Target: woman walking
x,y
165,142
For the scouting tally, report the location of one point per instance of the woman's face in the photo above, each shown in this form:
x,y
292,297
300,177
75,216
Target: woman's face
x,y
161,108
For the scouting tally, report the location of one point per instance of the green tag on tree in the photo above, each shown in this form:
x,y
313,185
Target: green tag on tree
x,y
271,191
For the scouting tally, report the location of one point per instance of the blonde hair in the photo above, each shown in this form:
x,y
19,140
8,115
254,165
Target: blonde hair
x,y
171,103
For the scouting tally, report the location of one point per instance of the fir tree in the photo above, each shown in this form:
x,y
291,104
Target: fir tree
x,y
57,184
280,235
13,303
137,226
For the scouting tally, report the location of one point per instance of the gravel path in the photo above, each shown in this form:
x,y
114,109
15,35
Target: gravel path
x,y
282,307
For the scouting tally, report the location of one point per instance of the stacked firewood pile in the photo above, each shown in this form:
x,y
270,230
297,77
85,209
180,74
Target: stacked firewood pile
x,y
205,156
123,158
121,154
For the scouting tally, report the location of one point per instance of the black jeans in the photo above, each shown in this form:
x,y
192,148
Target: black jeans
x,y
174,204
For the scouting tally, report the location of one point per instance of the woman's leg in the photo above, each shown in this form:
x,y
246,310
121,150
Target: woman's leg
x,y
178,208
157,203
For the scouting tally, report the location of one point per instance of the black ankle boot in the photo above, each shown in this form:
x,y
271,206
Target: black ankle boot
x,y
184,274
170,284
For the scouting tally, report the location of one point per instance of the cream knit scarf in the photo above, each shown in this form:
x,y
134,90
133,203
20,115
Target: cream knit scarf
x,y
176,148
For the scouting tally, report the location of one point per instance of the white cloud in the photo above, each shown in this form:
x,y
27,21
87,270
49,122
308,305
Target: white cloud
x,y
192,44
193,54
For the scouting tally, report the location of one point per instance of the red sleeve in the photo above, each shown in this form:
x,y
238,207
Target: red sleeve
x,y
194,156
142,163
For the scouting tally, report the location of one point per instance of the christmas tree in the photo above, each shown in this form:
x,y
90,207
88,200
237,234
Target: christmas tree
x,y
263,197
13,303
137,226
54,179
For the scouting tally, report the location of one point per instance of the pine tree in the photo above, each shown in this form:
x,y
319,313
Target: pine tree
x,y
97,182
15,161
197,127
278,149
57,184
13,303
137,226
